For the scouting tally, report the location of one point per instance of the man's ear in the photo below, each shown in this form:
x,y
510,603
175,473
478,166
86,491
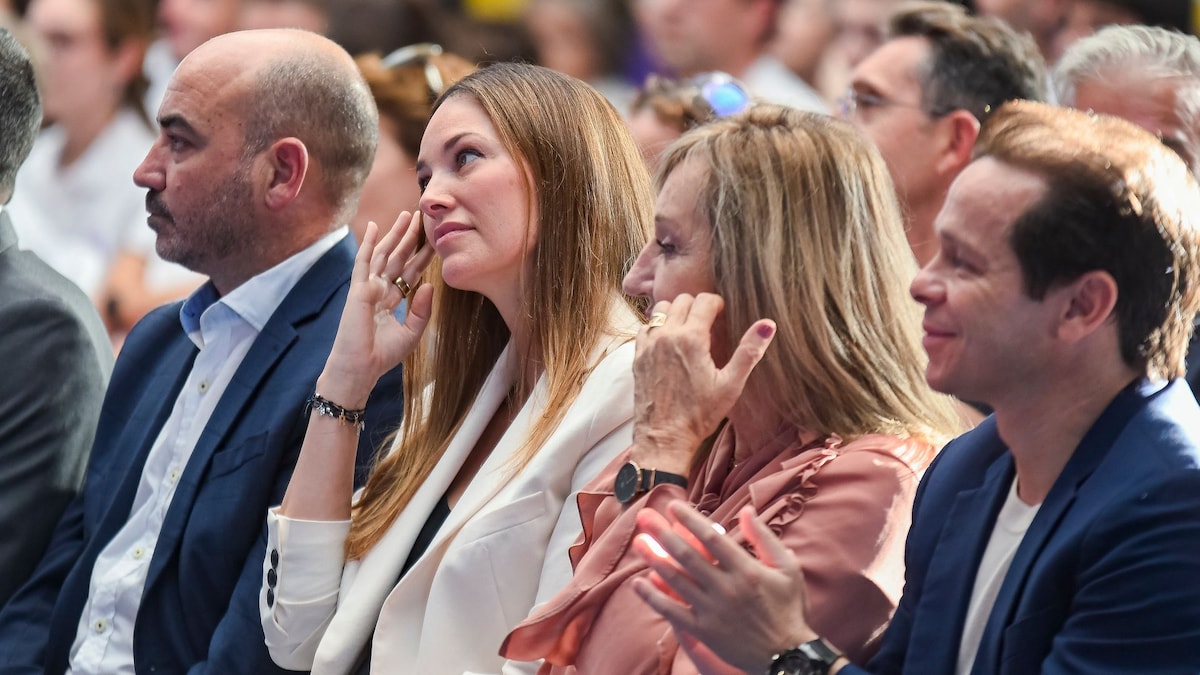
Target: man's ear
x,y
1088,304
960,131
287,162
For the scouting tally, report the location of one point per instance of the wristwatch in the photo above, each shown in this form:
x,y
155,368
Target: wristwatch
x,y
633,480
810,658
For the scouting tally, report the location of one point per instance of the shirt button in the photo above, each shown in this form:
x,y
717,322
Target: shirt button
x,y
100,625
203,387
173,476
138,553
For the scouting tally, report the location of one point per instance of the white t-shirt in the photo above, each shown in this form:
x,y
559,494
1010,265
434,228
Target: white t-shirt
x,y
1011,525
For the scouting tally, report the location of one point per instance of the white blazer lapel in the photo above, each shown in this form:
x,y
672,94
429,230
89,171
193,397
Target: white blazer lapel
x,y
367,583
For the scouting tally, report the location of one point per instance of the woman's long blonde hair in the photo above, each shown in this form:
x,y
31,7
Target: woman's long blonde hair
x,y
806,231
594,202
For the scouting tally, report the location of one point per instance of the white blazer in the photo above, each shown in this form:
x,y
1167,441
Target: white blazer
x,y
502,549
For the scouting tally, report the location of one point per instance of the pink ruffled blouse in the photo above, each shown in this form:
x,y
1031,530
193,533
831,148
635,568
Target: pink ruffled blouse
x,y
842,508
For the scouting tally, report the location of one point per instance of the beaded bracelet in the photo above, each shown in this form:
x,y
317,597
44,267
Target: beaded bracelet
x,y
324,406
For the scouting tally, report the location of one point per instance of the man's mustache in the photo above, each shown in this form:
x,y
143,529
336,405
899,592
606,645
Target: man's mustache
x,y
155,205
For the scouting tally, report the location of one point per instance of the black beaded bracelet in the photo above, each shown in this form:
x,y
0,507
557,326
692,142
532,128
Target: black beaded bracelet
x,y
324,406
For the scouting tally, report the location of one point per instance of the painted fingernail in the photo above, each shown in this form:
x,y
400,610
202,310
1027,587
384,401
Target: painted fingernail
x,y
766,330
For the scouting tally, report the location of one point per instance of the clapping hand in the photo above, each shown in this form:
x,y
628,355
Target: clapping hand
x,y
370,340
728,609
680,395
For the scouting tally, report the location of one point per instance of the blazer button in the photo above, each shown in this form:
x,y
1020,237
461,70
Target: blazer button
x,y
272,577
270,597
274,557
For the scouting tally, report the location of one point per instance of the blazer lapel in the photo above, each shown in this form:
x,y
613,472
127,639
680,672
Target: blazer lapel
x,y
315,288
950,578
379,570
1091,451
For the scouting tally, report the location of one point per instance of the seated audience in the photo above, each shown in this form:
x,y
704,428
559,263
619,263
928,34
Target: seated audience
x,y
76,205
524,380
311,15
777,237
804,31
183,26
266,138
1063,534
592,40
665,108
1086,17
923,94
1042,19
56,358
405,85
688,38
1149,76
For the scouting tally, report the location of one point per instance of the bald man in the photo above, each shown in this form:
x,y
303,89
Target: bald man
x,y
266,137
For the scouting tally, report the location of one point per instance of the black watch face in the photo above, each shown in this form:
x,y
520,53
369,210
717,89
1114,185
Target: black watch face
x,y
625,487
792,663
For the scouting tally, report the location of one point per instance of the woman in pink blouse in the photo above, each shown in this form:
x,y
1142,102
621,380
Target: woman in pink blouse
x,y
782,368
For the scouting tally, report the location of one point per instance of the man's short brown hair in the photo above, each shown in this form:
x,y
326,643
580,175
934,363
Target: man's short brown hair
x,y
1117,200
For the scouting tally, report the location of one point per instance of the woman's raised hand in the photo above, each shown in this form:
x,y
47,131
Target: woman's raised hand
x,y
370,340
680,395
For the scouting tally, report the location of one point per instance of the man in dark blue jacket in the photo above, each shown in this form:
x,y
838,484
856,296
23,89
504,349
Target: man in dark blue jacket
x,y
266,138
1062,535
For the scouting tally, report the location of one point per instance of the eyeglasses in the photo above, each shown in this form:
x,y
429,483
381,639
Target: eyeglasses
x,y
419,53
850,102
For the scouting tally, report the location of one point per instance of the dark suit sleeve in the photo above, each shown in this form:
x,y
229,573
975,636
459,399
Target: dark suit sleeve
x,y
54,384
25,620
1136,605
238,646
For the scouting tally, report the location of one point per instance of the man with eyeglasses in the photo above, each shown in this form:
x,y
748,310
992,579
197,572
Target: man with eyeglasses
x,y
922,95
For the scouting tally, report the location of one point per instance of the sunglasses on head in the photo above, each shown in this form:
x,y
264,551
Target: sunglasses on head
x,y
419,53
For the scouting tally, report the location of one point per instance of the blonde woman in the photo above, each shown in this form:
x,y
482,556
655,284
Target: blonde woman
x,y
520,389
777,237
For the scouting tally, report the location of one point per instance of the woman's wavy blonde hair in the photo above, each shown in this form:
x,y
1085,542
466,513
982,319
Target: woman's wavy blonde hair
x,y
806,231
593,197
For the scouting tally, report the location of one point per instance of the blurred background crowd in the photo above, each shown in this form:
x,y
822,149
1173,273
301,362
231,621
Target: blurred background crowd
x,y
103,67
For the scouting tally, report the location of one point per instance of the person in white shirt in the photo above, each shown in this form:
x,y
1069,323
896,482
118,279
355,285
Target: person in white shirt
x,y
266,138
75,204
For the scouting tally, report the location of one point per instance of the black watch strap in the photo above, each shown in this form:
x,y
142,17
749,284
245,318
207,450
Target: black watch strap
x,y
632,480
652,477
811,658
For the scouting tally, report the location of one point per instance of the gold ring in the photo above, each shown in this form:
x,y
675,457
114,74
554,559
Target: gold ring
x,y
405,289
656,319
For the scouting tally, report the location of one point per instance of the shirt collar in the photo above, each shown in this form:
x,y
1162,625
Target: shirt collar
x,y
257,299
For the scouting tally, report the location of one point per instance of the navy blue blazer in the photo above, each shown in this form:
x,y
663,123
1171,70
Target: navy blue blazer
x,y
1107,578
199,609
